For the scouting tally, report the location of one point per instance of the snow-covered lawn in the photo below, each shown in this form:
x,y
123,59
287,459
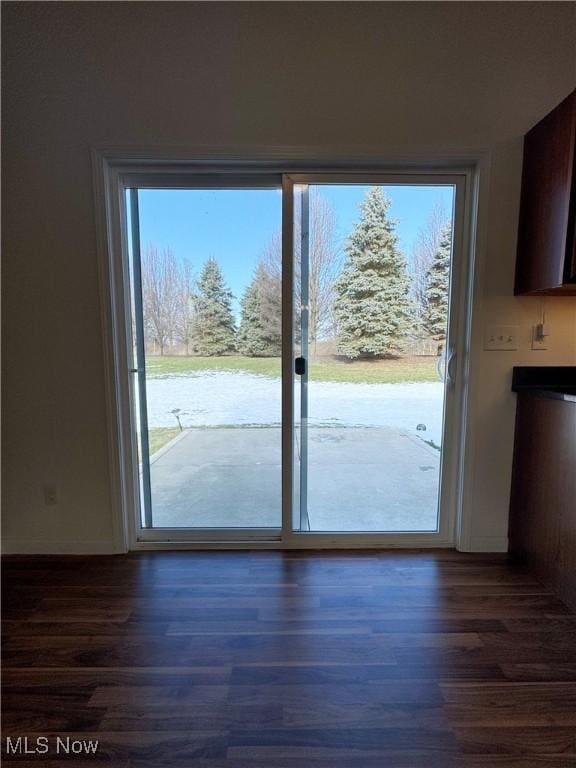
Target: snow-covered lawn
x,y
218,398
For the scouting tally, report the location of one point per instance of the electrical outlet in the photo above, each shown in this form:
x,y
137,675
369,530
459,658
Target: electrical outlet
x,y
50,495
501,337
539,337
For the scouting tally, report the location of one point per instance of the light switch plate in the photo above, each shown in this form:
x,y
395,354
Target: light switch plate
x,y
501,337
538,342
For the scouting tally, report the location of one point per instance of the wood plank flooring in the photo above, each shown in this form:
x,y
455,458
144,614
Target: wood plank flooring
x,y
288,660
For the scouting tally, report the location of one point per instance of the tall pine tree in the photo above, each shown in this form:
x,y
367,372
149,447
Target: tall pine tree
x,y
373,309
260,332
437,287
213,330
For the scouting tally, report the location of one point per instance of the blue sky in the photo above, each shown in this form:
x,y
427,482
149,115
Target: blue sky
x,y
234,226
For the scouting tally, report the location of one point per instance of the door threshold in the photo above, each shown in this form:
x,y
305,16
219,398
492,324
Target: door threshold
x,y
302,541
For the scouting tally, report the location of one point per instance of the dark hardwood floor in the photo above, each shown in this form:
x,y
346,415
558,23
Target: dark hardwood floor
x,y
288,660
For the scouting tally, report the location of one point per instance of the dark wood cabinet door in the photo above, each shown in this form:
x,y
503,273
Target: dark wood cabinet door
x,y
570,271
543,494
546,228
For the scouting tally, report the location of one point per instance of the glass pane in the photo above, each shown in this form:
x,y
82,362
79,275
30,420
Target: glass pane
x,y
211,309
378,296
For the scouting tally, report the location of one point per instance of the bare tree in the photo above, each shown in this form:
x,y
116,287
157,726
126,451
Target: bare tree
x,y
161,296
423,252
325,258
325,264
185,306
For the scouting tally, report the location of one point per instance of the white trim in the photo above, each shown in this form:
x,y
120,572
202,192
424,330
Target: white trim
x,y
487,544
107,291
477,244
209,535
43,547
290,540
395,177
111,169
307,541
329,157
287,380
310,541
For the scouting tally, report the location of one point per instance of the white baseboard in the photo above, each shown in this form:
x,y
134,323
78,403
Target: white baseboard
x,y
41,547
486,544
38,547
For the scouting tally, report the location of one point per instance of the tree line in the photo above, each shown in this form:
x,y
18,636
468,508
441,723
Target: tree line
x,y
363,295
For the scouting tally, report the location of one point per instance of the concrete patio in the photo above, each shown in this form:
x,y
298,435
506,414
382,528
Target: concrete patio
x,y
359,479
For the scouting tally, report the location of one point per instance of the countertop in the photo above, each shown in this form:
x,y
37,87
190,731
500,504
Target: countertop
x,y
556,382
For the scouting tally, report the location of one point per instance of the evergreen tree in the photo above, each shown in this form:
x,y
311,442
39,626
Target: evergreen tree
x,y
213,328
260,333
437,287
373,310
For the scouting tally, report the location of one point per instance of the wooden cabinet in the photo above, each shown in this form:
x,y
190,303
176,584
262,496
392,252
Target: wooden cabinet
x,y
543,499
546,258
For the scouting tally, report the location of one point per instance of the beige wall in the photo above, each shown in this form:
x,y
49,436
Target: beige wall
x,y
493,405
399,77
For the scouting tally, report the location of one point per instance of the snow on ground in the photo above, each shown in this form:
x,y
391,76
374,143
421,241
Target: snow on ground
x,y
217,398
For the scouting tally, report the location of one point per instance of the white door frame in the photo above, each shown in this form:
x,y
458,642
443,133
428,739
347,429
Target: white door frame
x,y
116,171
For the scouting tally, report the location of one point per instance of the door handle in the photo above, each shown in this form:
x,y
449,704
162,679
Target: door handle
x,y
450,363
300,366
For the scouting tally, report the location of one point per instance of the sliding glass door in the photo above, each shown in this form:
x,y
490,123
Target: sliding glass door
x,y
207,313
372,296
293,368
